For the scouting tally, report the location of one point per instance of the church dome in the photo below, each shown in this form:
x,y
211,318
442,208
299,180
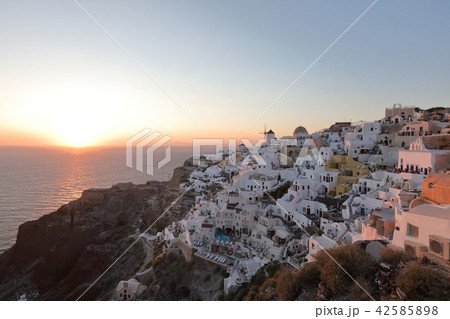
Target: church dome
x,y
299,130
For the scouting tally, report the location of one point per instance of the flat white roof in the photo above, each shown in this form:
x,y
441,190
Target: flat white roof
x,y
387,214
324,241
436,211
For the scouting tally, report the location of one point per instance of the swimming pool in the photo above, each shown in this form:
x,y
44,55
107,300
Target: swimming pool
x,y
220,236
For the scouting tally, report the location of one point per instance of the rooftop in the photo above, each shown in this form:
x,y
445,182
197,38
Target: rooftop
x,y
299,130
438,179
387,214
435,211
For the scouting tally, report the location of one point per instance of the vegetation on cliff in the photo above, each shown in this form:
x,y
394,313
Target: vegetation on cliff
x,y
323,279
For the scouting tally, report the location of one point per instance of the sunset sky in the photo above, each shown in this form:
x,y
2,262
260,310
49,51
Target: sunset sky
x,y
65,82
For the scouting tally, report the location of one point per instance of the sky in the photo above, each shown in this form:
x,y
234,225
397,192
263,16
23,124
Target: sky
x,y
64,81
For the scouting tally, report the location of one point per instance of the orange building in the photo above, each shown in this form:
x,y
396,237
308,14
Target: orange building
x,y
436,187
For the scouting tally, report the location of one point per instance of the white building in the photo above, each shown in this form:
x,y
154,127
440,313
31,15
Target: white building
x,y
426,155
371,182
401,114
325,180
360,142
300,134
326,153
270,136
318,243
129,290
332,229
379,225
424,228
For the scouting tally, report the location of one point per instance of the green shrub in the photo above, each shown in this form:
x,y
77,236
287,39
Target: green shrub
x,y
258,278
273,268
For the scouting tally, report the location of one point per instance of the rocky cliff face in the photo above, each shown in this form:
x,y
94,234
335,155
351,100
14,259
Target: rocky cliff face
x,y
59,255
181,174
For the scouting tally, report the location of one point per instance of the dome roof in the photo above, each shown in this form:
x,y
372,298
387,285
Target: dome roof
x,y
299,130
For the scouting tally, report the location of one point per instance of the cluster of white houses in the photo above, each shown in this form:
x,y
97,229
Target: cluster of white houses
x,y
384,180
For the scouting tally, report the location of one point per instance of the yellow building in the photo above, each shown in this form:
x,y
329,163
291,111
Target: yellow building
x,y
349,173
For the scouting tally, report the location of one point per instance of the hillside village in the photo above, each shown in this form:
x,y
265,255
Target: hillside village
x,y
384,183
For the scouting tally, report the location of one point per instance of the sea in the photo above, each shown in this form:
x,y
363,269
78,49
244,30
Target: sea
x,y
37,181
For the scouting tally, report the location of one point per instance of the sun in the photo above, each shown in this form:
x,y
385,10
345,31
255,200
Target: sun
x,y
78,127
77,114
80,117
77,138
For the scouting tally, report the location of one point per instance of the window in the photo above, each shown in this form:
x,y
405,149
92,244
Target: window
x,y
412,230
430,186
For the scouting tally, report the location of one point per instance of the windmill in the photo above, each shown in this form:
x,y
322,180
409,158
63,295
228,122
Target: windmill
x,y
265,131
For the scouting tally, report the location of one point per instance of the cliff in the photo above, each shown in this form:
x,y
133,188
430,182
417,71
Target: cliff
x,y
181,174
59,255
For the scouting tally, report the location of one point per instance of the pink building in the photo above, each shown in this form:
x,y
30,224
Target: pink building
x,y
399,113
427,154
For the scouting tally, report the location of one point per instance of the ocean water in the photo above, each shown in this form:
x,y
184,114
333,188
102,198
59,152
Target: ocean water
x,y
37,181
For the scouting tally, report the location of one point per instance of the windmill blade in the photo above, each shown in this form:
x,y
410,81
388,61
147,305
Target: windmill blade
x,y
265,130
